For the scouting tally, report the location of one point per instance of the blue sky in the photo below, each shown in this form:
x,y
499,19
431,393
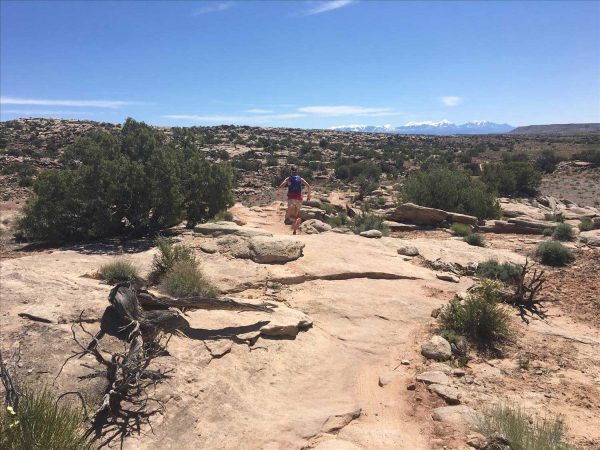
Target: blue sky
x,y
312,64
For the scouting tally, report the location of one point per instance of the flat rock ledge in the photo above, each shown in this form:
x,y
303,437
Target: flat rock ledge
x,y
216,229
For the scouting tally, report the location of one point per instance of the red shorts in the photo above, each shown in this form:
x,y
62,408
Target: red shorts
x,y
291,196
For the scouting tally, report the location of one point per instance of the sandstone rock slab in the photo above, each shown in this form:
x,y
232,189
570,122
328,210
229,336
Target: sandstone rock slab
x,y
373,234
457,415
433,377
216,229
450,394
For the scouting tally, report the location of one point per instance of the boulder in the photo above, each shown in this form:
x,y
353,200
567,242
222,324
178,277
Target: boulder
x,y
314,226
433,377
209,247
371,234
216,229
591,238
436,348
309,212
463,218
397,226
270,250
422,215
533,223
286,322
447,276
502,226
408,250
450,394
457,415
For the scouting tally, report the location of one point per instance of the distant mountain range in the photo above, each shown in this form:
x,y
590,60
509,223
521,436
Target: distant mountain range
x,y
443,127
566,128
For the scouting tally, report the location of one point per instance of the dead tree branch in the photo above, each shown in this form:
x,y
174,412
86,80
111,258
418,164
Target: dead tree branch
x,y
145,322
523,293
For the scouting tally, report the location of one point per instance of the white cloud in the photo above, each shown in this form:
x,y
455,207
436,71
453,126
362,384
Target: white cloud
x,y
347,110
325,6
112,104
234,118
211,7
450,100
46,113
259,111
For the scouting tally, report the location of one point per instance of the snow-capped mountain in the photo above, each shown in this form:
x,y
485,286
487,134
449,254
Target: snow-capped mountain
x,y
443,127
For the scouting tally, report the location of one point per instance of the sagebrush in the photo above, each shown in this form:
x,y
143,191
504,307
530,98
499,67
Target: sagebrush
x,y
524,431
481,317
43,421
118,271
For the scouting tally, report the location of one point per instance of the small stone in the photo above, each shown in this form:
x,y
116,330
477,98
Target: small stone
x,y
387,378
372,234
411,386
218,348
408,250
405,362
476,440
458,372
433,377
437,348
209,247
446,276
435,312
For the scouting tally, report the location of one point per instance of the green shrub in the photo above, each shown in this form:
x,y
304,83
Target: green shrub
x,y
41,421
547,232
124,185
475,239
367,221
554,253
525,432
505,272
563,232
450,190
514,178
460,229
118,271
338,220
480,318
184,280
586,224
554,217
168,255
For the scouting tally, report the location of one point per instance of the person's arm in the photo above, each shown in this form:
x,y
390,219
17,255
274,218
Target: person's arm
x,y
308,188
284,183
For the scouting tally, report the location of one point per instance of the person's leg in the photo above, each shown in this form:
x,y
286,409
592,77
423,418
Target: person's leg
x,y
296,216
288,213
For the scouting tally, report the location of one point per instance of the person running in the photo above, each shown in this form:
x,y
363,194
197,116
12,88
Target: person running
x,y
294,184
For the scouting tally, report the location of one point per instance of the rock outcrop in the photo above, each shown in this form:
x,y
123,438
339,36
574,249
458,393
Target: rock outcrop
x,y
421,215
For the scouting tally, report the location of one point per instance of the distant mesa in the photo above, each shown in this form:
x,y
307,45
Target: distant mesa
x,y
443,127
567,128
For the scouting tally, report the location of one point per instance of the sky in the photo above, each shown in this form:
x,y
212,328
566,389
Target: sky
x,y
307,64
